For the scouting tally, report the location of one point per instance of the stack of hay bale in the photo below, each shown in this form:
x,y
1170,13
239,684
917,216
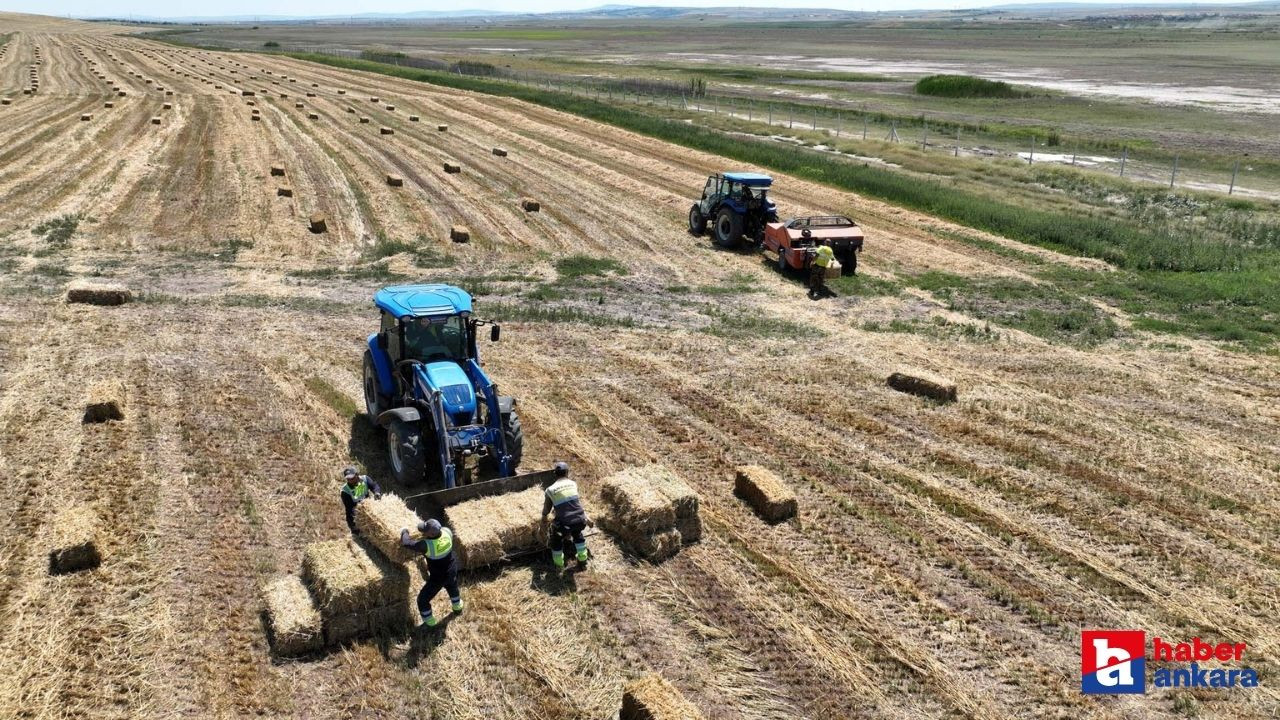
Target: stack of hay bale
x,y
348,588
489,529
651,510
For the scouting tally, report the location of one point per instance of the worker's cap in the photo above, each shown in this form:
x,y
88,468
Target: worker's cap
x,y
349,473
430,528
561,469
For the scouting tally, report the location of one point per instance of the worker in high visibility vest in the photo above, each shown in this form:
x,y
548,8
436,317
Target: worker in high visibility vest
x,y
822,257
570,520
355,490
442,567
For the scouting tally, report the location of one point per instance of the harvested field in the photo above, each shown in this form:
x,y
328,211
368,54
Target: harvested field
x,y
947,554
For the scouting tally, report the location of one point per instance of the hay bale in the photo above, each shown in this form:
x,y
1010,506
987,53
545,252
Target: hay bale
x,y
490,528
653,698
386,131
168,92
73,542
277,171
638,503
317,223
255,117
380,522
654,547
98,293
294,626
299,105
676,490
311,94
442,128
395,180
500,152
452,168
364,119
765,492
5,101
155,121
923,384
243,93
373,99
387,619
86,117
284,192
459,233
413,118
105,402
391,108
121,93
690,529
108,104
342,92
530,205
313,116
346,576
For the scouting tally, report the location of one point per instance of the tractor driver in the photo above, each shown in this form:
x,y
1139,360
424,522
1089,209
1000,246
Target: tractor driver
x,y
426,340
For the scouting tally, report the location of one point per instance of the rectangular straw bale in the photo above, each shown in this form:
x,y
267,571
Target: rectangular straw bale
x,y
475,538
364,119
293,623
925,384
155,121
500,152
395,181
637,501
651,697
765,492
682,497
413,118
442,128
277,171
386,131
391,108
299,105
105,402
452,168
73,542
317,223
380,522
284,192
530,205
166,106
459,233
490,528
86,117
346,576
313,116
654,546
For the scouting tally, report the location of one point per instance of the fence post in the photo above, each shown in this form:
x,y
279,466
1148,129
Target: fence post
x,y
1074,150
1235,169
839,123
924,139
750,111
957,142
791,117
864,124
1173,175
1123,158
1031,155
770,105
815,118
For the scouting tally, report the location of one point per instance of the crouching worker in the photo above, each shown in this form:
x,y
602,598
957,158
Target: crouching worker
x,y
355,489
442,567
571,519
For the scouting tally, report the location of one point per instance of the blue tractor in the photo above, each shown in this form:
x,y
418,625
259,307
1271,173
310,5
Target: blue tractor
x,y
445,422
736,204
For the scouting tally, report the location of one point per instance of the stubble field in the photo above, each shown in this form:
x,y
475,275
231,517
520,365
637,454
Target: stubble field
x,y
944,558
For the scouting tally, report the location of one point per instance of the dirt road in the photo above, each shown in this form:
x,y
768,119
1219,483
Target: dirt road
x,y
944,559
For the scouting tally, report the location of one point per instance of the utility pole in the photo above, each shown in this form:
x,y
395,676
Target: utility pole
x,y
1123,157
1074,150
1234,170
1174,175
893,132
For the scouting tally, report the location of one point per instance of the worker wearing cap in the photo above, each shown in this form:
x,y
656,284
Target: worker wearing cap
x,y
571,519
822,257
356,489
442,566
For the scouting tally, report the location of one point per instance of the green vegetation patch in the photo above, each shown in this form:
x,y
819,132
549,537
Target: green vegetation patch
x,y
1040,309
967,86
748,324
58,231
332,396
531,312
577,266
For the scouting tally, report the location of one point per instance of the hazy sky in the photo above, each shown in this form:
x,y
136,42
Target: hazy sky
x,y
185,8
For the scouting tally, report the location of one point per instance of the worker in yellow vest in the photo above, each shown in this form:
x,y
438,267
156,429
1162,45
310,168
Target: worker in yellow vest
x,y
821,258
355,489
442,566
562,497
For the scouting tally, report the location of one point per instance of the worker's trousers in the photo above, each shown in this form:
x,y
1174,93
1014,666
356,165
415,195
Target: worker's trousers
x,y
564,536
817,279
435,581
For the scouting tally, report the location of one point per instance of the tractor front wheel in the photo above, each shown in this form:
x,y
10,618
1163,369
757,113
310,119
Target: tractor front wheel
x,y
513,435
728,228
372,401
405,453
697,223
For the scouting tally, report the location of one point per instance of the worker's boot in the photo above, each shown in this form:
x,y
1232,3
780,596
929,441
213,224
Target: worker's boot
x,y
457,604
557,558
582,553
430,621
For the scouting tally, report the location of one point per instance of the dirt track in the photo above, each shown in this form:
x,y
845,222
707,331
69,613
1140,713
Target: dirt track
x,y
944,559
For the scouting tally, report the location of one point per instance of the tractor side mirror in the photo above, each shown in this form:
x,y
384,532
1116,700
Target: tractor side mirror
x,y
494,333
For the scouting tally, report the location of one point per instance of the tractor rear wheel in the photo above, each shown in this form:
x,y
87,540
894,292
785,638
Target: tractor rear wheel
x,y
406,453
697,223
728,228
372,401
850,265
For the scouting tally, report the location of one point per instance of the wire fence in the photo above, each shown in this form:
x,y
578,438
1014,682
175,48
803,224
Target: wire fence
x,y
863,132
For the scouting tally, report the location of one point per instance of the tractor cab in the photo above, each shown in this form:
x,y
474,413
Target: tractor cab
x,y
737,203
424,384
